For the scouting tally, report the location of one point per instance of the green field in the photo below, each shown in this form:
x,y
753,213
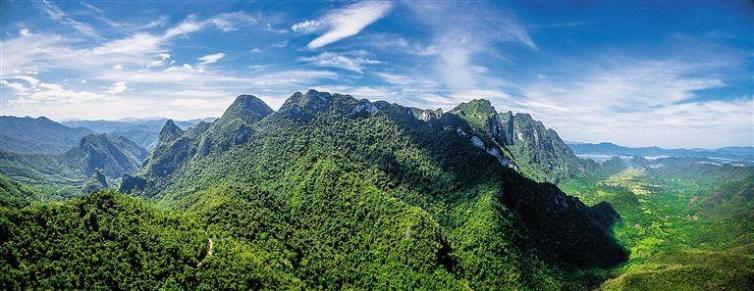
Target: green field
x,y
688,227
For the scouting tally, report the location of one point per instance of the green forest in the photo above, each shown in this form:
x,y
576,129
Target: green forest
x,y
332,192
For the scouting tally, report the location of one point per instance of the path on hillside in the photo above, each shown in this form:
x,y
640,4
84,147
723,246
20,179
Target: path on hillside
x,y
210,247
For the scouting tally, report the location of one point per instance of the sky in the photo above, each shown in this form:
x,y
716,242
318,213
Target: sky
x,y
671,74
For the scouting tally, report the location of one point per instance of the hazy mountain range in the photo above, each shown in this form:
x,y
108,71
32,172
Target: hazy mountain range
x,y
604,150
142,131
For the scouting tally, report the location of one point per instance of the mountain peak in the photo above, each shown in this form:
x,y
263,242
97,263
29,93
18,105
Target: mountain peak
x,y
476,112
476,106
113,155
169,132
311,101
248,107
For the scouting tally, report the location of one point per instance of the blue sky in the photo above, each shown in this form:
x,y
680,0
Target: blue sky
x,y
633,73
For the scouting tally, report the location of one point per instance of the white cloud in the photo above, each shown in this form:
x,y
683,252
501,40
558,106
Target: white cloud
x,y
188,26
211,58
342,23
28,79
640,101
308,26
18,87
233,20
117,88
391,43
49,94
92,7
145,84
155,23
352,63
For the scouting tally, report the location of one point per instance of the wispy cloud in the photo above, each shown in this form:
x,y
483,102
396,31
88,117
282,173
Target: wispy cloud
x,y
57,14
211,58
476,29
135,73
116,88
342,23
353,61
617,97
92,7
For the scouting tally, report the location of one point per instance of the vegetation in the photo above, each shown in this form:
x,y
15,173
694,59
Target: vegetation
x,y
328,193
685,221
83,169
332,192
537,151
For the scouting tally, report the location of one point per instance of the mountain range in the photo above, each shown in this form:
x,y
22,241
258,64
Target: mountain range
x,y
38,135
606,149
141,131
81,169
335,192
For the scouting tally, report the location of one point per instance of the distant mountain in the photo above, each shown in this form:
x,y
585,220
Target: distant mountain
x,y
142,131
112,156
84,168
109,126
38,135
738,153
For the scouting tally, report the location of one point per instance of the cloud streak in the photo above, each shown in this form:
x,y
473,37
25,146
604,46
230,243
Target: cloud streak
x,y
211,58
55,13
353,61
343,23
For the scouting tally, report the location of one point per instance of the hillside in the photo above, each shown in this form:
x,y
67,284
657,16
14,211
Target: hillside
x,y
82,169
37,135
332,192
329,192
537,151
112,155
376,190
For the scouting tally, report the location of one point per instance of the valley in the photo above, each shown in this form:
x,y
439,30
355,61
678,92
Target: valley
x,y
681,234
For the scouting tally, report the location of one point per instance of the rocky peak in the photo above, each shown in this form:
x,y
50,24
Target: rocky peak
x,y
169,132
426,115
313,100
477,113
476,106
